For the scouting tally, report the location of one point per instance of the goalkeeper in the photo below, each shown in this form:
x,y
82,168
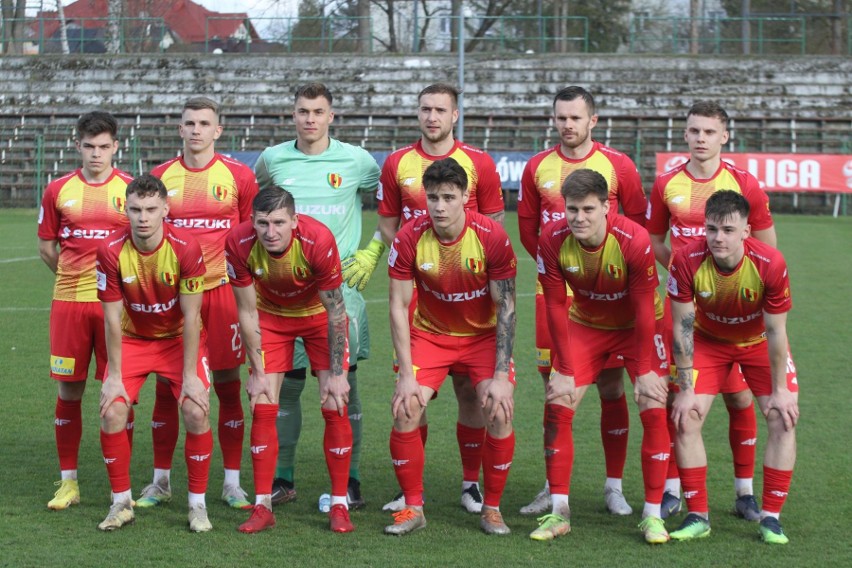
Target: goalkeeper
x,y
325,176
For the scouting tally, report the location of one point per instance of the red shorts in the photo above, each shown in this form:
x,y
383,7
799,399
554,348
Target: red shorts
x,y
220,318
139,357
76,331
434,356
544,355
278,336
713,362
732,383
592,349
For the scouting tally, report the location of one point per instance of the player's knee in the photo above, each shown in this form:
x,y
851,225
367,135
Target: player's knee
x,y
610,384
738,400
194,417
71,390
115,417
226,375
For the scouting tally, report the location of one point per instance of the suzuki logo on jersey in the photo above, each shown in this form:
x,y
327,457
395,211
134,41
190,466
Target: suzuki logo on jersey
x,y
335,180
321,209
154,308
603,297
614,271
547,216
202,223
258,449
220,192
475,265
409,213
168,278
96,234
340,451
459,296
734,320
118,203
688,231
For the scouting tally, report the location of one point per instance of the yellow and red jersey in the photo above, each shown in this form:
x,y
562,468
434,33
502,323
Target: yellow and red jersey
x,y
150,283
729,306
540,199
679,199
453,296
603,279
401,193
287,284
80,215
209,202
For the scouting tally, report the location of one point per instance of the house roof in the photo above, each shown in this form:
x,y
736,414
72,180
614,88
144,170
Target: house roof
x,y
186,19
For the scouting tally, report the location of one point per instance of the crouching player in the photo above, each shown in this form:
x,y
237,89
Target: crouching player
x,y
607,261
464,267
295,267
730,297
150,278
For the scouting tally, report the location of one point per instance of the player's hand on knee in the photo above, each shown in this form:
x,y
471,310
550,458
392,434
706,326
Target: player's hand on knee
x,y
498,399
112,389
651,385
336,388
406,393
559,386
194,390
260,384
784,402
684,403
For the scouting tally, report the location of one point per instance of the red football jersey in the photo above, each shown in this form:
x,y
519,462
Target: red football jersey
x,y
287,284
401,193
679,199
209,202
729,306
81,215
150,283
452,279
540,199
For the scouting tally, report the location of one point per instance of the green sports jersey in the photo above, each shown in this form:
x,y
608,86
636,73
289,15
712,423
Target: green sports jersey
x,y
325,186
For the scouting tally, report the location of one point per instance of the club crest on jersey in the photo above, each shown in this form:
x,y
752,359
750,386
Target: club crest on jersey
x,y
193,284
301,272
118,203
220,192
335,180
614,271
168,278
475,265
748,294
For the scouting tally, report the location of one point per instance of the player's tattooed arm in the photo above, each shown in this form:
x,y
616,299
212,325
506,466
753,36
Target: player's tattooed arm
x,y
337,326
498,216
503,294
683,343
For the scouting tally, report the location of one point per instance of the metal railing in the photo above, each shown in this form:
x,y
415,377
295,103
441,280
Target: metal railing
x,y
83,35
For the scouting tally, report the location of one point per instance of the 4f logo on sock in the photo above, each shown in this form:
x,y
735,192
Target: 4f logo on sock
x,y
109,460
689,494
234,423
503,466
399,463
156,425
258,449
61,421
200,457
618,432
749,442
660,457
781,494
340,451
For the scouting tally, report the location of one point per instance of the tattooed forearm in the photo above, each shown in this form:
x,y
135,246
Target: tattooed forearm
x,y
337,327
503,293
684,349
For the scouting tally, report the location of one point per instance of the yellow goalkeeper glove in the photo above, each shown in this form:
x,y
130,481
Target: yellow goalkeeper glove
x,y
357,269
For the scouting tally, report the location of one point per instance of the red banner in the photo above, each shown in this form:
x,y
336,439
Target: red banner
x,y
784,172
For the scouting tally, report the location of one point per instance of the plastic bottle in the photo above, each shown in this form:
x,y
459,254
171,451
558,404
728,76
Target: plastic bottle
x,y
324,503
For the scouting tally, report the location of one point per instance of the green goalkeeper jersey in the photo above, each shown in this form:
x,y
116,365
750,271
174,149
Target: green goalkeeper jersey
x,y
324,186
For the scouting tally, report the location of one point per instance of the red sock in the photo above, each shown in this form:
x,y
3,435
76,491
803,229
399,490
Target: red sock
x,y
131,427
116,452
231,423
742,433
165,426
615,427
197,452
68,427
424,433
406,449
672,473
558,447
264,446
655,453
471,442
694,483
337,446
776,485
496,461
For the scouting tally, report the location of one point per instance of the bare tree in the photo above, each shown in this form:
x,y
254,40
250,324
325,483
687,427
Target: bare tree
x,y
13,12
113,36
387,6
694,26
493,10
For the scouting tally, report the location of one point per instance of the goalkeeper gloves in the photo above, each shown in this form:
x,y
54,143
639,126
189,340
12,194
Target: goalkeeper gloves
x,y
358,268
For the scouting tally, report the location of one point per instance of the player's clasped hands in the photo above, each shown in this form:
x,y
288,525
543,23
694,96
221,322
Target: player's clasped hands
x,y
652,386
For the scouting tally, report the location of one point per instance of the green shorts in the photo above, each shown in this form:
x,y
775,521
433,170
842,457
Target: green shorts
x,y
359,333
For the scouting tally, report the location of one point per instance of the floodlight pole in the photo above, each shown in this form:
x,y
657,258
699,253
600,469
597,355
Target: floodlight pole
x,y
460,123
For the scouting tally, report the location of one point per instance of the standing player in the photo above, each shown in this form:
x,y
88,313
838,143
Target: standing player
x,y
678,199
78,211
150,282
541,203
464,268
730,297
293,262
208,194
607,261
325,176
402,200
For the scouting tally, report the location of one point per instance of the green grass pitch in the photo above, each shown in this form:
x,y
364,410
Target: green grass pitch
x,y
816,517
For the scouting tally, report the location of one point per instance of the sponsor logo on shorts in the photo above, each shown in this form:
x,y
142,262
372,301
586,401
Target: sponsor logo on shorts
x,y
355,417
63,366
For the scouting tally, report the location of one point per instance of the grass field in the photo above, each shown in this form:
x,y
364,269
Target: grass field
x,y
816,517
